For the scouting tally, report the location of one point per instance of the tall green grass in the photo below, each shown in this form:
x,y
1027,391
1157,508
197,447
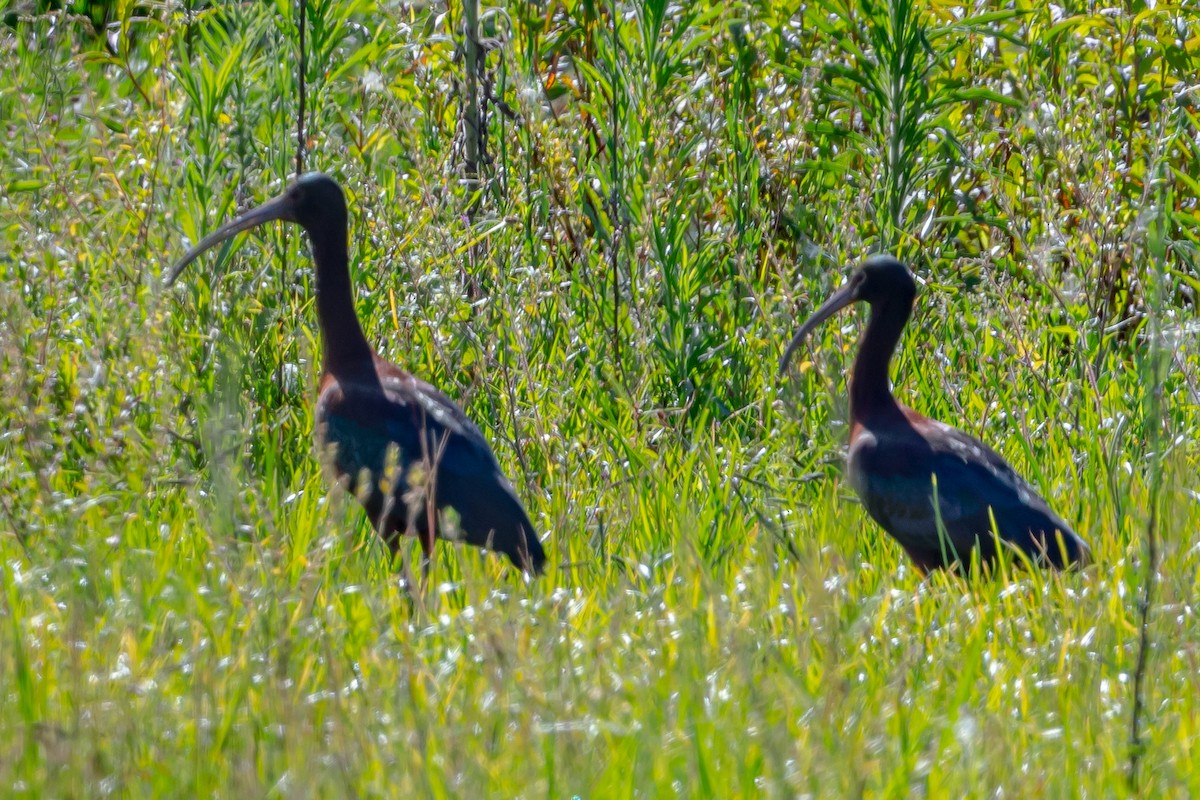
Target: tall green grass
x,y
188,611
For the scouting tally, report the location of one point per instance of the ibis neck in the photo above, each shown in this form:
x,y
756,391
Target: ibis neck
x,y
346,352
870,388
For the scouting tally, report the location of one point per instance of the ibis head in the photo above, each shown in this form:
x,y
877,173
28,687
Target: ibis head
x,y
314,201
880,279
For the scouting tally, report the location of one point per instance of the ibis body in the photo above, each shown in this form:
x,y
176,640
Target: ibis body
x,y
944,495
404,449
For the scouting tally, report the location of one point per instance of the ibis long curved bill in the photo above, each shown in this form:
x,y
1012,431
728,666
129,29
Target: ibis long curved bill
x,y
278,209
840,299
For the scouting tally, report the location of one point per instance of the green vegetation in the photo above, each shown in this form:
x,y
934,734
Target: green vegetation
x,y
185,610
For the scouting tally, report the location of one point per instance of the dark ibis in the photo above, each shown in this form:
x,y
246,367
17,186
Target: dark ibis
x,y
942,494
404,449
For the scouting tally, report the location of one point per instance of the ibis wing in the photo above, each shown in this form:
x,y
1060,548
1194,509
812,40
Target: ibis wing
x,y
469,478
430,445
976,489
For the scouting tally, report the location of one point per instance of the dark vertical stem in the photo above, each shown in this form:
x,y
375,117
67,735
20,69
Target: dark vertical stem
x,y
190,12
1137,747
614,201
472,132
302,69
1153,429
303,86
472,69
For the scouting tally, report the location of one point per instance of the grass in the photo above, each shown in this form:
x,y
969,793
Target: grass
x,y
186,610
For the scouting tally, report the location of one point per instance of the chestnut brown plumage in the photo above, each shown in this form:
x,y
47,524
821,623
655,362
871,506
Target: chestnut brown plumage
x,y
900,461
403,448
